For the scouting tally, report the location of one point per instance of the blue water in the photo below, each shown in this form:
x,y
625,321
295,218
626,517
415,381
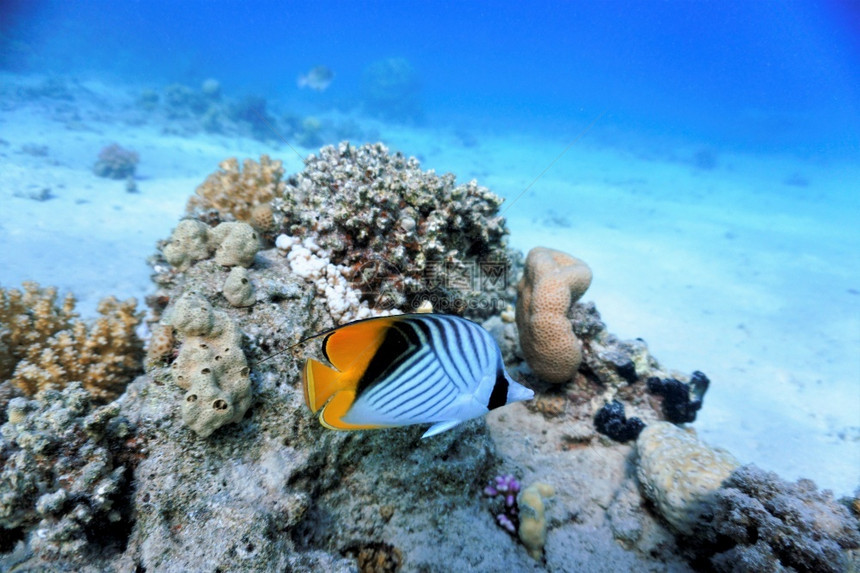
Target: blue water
x,y
766,76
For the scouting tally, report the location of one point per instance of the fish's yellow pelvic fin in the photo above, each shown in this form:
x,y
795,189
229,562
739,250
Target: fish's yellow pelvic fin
x,y
350,348
332,414
319,383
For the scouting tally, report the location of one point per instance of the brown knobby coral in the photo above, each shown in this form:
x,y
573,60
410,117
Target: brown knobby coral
x,y
551,283
44,345
234,191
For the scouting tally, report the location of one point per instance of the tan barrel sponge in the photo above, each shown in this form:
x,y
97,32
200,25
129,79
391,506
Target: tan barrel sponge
x,y
551,283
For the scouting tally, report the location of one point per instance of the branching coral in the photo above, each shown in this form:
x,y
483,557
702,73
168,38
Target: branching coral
x,y
551,283
235,192
43,345
405,234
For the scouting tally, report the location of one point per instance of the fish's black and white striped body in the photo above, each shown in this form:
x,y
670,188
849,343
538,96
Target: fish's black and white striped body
x,y
409,369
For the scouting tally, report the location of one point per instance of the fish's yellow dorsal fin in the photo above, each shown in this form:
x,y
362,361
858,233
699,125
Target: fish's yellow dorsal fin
x,y
349,348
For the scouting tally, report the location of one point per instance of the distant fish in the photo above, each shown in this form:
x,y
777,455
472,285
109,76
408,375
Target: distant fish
x,y
408,369
317,79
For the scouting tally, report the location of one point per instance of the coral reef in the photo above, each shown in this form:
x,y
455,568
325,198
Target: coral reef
x,y
211,88
405,235
679,473
551,283
233,244
116,162
211,366
532,529
235,192
759,522
61,483
274,491
396,235
44,345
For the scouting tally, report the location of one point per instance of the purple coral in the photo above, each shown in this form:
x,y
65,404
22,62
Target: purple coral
x,y
503,490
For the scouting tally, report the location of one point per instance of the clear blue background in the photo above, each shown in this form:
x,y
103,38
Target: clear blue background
x,y
762,75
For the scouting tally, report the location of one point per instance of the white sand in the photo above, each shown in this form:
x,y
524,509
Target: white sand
x,y
729,271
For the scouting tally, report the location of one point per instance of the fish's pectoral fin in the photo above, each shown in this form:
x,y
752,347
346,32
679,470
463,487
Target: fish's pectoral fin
x,y
334,411
440,427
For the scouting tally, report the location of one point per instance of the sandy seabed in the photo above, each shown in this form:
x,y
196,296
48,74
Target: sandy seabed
x,y
748,270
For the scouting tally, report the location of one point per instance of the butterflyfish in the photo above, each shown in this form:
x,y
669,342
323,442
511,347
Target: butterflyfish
x,y
408,369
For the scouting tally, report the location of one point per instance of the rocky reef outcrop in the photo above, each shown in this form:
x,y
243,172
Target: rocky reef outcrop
x,y
269,488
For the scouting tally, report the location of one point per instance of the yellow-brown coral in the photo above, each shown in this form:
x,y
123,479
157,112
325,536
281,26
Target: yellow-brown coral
x,y
552,282
532,530
43,345
235,191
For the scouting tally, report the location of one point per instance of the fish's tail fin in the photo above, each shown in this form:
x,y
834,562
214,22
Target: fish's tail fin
x,y
320,383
